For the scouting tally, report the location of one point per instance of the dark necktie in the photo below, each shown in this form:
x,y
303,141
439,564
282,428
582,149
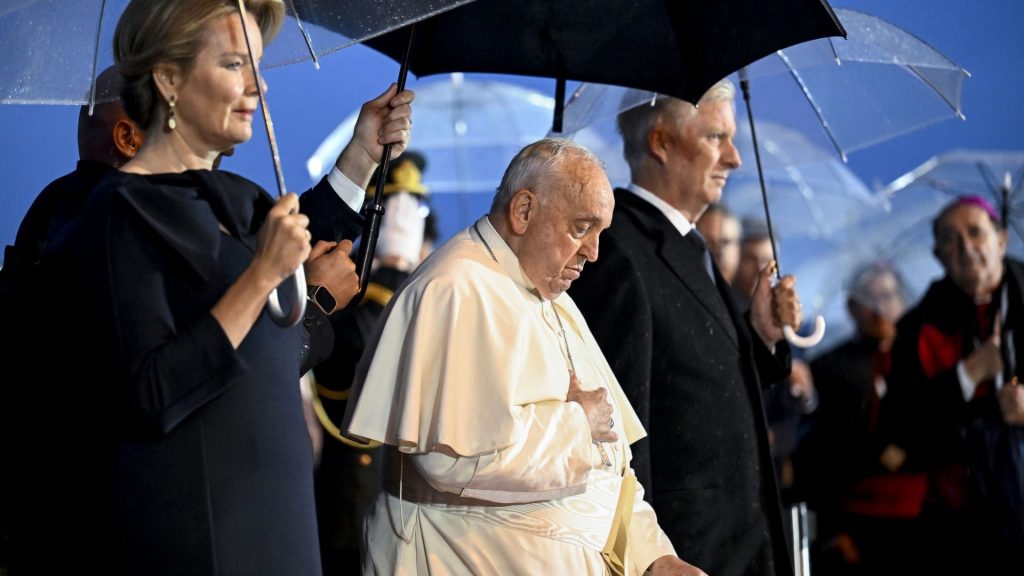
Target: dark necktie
x,y
695,238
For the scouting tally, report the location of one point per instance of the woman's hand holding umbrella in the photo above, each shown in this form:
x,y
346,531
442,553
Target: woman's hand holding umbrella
x,y
282,248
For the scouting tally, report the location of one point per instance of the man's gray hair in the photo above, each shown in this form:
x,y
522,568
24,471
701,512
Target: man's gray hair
x,y
859,284
535,164
636,122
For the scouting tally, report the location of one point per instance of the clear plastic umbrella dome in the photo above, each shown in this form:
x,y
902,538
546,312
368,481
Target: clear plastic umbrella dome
x,y
990,174
914,199
468,130
899,232
896,233
53,49
817,199
842,95
819,207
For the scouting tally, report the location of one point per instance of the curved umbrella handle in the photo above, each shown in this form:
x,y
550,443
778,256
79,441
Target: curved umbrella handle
x,y
806,341
298,309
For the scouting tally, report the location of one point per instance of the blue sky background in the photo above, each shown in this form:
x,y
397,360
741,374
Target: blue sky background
x,y
983,36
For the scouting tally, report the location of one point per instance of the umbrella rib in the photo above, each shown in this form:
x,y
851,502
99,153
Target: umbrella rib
x,y
95,58
1018,179
930,84
1014,191
911,177
990,180
305,35
814,105
835,53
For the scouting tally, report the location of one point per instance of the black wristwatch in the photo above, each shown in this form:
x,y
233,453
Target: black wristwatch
x,y
322,297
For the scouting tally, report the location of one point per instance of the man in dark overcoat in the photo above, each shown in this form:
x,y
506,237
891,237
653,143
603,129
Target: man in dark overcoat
x,y
692,364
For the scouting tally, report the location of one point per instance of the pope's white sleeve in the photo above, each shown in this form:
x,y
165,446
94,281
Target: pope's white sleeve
x,y
647,541
550,460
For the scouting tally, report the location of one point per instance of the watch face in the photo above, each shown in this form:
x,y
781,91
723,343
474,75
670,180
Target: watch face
x,y
324,299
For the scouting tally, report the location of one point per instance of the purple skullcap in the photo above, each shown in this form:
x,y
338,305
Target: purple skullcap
x,y
967,200
978,202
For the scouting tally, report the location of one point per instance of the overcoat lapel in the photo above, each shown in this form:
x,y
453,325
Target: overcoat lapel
x,y
683,259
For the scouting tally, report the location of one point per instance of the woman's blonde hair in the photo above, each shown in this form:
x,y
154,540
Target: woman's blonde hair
x,y
153,32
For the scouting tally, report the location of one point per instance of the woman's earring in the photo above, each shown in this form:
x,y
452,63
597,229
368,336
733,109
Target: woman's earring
x,y
171,122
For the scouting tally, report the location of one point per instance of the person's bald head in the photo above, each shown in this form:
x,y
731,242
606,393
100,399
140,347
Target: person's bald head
x,y
107,136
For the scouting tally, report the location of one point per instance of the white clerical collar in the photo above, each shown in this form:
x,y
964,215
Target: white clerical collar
x,y
674,216
507,259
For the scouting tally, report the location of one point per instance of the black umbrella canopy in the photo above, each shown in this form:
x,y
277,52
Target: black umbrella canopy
x,y
671,47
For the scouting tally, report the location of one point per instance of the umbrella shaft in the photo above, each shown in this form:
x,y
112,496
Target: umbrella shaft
x,y
375,211
275,156
745,87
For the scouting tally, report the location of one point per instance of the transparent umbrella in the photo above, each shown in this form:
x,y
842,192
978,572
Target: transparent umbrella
x,y
815,201
54,50
996,175
818,208
898,231
841,95
819,205
913,200
468,130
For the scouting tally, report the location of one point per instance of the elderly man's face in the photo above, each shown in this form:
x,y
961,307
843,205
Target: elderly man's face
x,y
701,154
971,250
562,234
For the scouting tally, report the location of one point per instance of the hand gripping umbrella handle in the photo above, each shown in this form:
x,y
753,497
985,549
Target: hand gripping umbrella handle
x,y
819,322
291,316
806,341
374,210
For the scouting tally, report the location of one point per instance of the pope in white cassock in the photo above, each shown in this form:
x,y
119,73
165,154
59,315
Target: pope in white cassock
x,y
508,434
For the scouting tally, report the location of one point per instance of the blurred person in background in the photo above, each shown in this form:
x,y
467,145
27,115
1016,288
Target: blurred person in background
x,y
959,407
789,402
106,139
754,254
721,230
847,468
349,474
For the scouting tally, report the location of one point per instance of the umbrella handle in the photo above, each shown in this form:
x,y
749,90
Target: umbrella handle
x,y
292,316
806,341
